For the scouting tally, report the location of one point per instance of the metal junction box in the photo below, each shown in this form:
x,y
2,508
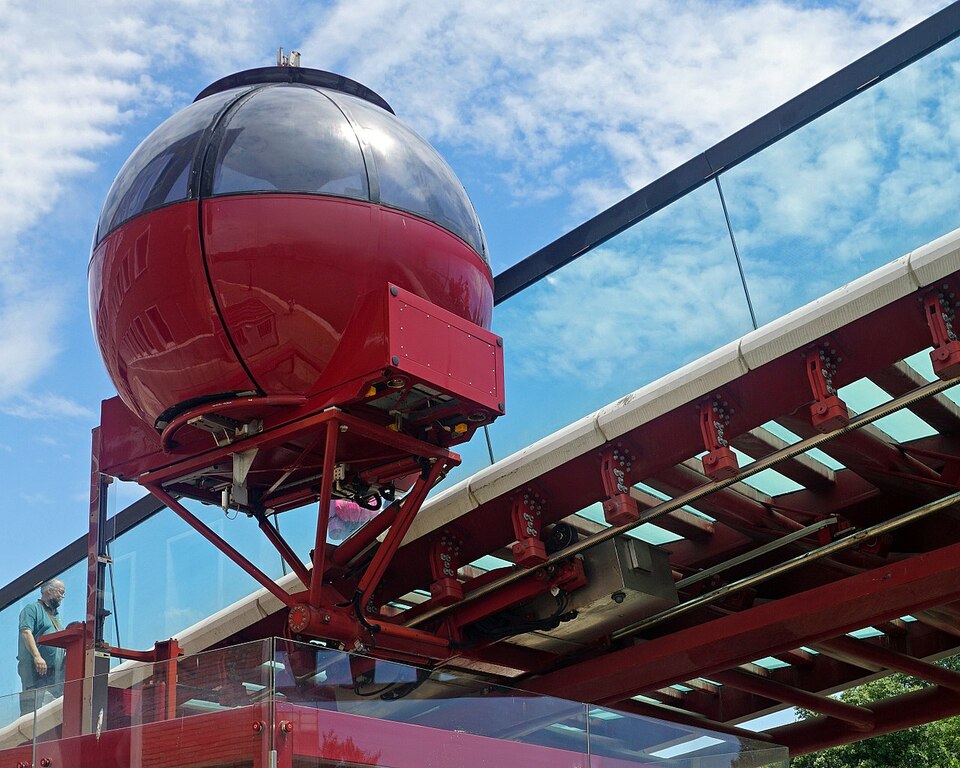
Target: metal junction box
x,y
628,580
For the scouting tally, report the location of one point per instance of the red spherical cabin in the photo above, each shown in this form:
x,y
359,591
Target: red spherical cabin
x,y
236,241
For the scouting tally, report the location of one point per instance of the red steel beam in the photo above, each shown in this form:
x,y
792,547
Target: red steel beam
x,y
220,543
679,521
862,650
893,714
866,451
810,473
827,673
728,505
938,411
858,717
780,625
697,724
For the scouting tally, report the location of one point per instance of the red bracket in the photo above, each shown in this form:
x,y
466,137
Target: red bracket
x,y
619,507
445,553
526,513
571,574
828,411
939,309
720,462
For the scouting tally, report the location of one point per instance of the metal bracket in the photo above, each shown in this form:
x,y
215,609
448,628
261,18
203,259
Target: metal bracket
x,y
526,513
940,311
720,462
619,507
828,412
445,560
224,429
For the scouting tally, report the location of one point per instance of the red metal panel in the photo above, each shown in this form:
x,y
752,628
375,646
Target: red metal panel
x,y
468,363
152,311
287,271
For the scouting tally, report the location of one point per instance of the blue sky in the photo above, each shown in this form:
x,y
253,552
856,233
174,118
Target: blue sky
x,y
548,112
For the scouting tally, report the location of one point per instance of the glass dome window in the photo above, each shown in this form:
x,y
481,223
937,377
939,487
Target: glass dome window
x,y
158,172
412,176
290,139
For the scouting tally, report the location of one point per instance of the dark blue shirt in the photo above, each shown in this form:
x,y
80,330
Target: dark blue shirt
x,y
39,621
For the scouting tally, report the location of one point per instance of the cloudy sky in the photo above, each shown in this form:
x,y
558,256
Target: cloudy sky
x,y
548,112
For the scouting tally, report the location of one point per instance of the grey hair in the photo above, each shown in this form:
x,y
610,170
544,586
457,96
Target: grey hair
x,y
48,584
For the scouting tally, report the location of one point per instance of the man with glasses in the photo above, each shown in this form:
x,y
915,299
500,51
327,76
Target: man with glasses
x,y
41,666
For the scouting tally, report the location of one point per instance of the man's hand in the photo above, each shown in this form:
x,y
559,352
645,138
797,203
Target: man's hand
x,y
40,664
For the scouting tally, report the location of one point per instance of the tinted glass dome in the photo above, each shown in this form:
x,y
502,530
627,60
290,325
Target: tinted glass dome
x,y
283,130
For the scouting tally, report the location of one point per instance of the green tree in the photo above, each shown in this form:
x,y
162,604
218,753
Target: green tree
x,y
935,745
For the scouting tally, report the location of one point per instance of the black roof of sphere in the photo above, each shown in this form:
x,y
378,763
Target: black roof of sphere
x,y
317,77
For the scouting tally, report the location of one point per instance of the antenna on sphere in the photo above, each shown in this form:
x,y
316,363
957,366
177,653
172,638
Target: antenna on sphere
x,y
293,60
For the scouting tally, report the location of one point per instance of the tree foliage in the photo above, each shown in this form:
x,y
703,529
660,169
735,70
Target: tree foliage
x,y
935,745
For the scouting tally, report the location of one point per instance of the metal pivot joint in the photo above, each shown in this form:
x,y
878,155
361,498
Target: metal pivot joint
x,y
940,310
619,507
445,560
720,462
828,412
526,513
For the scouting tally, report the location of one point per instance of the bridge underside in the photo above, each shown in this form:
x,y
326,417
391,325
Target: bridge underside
x,y
855,533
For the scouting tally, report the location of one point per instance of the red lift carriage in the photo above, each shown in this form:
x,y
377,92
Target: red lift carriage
x,y
290,290
308,324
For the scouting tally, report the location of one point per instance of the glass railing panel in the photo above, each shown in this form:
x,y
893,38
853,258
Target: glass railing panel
x,y
618,738
372,712
17,725
855,189
320,707
658,295
214,707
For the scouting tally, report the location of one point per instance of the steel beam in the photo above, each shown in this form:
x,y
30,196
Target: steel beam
x,y
858,651
858,717
939,411
692,721
893,714
802,469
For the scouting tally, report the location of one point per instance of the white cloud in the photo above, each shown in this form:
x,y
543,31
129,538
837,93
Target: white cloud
x,y
76,75
658,294
46,406
37,499
648,84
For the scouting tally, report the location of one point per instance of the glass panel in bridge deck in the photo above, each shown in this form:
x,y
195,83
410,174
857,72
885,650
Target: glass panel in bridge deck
x,y
657,296
855,189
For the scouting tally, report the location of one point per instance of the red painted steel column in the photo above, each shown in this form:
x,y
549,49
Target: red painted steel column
x,y
323,512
